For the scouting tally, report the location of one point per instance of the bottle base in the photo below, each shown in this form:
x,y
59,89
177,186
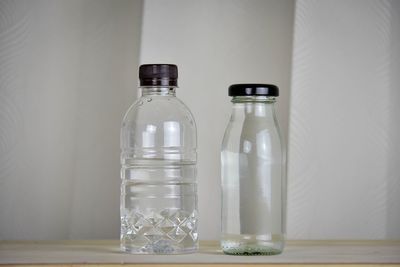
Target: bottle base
x,y
251,251
249,245
159,249
170,231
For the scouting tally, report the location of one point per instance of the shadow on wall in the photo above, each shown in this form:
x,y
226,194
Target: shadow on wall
x,y
67,75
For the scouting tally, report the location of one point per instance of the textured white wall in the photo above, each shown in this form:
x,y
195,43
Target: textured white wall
x,y
215,44
67,70
344,172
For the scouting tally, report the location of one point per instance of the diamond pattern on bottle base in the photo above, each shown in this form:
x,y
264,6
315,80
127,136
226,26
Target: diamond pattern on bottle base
x,y
158,232
153,234
194,236
177,234
154,218
166,226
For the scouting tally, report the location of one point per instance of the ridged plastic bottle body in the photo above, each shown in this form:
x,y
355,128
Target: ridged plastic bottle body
x,y
159,188
253,172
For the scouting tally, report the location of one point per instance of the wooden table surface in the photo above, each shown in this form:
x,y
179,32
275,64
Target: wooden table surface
x,y
106,253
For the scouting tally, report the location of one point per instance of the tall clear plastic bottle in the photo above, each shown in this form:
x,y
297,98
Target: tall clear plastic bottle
x,y
253,172
159,188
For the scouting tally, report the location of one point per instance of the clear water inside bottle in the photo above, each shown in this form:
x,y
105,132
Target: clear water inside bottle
x,y
158,188
253,180
159,214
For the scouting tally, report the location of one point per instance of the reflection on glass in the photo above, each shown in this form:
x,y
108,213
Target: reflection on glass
x,y
172,134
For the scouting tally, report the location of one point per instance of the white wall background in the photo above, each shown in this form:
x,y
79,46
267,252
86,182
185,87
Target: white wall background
x,y
215,44
68,72
344,171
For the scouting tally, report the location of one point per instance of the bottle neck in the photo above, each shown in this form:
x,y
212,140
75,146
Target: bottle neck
x,y
158,90
253,106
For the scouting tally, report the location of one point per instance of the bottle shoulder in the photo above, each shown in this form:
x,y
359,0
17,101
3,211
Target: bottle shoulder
x,y
158,109
159,125
250,129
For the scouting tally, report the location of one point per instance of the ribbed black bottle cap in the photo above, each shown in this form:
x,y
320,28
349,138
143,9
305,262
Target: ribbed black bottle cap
x,y
253,89
158,75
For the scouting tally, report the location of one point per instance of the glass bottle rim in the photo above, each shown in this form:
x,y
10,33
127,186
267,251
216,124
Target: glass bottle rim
x,y
253,99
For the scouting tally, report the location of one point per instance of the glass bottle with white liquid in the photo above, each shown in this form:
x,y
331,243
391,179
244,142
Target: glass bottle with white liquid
x,y
253,172
159,188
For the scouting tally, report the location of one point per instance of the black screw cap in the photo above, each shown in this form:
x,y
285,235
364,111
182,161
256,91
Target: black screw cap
x,y
253,89
158,75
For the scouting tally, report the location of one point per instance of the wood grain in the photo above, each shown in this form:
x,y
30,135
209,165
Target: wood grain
x,y
106,253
